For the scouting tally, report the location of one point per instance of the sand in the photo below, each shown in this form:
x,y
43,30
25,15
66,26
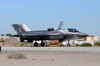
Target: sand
x,y
52,58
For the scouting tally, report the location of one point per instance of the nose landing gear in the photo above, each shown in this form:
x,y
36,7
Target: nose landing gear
x,y
68,45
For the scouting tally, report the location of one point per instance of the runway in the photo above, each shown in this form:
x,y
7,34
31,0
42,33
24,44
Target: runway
x,y
65,49
52,56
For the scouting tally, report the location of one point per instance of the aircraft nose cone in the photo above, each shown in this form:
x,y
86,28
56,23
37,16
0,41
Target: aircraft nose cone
x,y
84,35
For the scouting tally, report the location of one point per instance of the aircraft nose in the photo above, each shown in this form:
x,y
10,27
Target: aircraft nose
x,y
83,35
86,35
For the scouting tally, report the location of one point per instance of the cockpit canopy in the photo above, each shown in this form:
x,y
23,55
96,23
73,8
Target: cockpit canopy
x,y
72,30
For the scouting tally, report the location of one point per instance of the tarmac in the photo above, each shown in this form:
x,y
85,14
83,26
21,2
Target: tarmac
x,y
51,56
65,49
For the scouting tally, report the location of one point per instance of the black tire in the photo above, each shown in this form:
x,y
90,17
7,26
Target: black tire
x,y
68,45
35,44
42,44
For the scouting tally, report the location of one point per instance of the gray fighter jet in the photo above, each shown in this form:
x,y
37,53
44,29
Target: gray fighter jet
x,y
50,34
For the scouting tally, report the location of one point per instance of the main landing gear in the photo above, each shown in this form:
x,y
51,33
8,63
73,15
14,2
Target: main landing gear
x,y
36,44
42,44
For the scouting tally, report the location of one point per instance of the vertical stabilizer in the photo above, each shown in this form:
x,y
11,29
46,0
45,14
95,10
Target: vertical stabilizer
x,y
60,25
19,29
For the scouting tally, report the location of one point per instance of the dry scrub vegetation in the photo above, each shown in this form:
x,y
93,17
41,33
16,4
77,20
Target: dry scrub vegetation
x,y
16,56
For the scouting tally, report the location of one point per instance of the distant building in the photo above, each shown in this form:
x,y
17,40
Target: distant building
x,y
89,39
97,38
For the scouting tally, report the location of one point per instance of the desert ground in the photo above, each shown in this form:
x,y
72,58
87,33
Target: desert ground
x,y
51,58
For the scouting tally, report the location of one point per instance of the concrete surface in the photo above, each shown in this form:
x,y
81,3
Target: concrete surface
x,y
66,49
52,56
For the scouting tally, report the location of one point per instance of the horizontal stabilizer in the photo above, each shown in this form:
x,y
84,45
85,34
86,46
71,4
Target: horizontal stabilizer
x,y
25,27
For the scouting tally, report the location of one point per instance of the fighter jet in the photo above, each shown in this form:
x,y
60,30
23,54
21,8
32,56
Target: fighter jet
x,y
50,34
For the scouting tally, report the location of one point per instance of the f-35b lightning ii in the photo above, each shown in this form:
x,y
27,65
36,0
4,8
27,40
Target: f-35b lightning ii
x,y
50,34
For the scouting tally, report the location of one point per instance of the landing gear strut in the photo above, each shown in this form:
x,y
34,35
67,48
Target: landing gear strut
x,y
21,40
68,45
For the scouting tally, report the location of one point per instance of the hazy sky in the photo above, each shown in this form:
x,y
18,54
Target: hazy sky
x,y
83,15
